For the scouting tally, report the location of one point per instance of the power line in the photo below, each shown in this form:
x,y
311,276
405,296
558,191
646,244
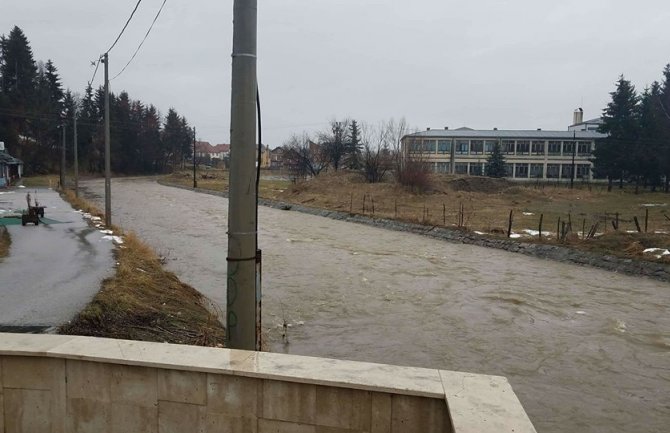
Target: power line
x,y
144,39
124,27
97,63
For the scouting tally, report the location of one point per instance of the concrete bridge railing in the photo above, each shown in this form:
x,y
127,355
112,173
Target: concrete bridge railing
x,y
53,383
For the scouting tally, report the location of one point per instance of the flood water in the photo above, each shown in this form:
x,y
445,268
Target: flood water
x,y
585,350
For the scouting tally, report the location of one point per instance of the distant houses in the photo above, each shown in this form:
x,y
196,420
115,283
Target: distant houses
x,y
219,155
11,169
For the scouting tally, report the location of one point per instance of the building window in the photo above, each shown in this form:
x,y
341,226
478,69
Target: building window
x,y
476,147
583,171
443,167
476,169
553,170
489,145
521,170
461,168
584,148
522,147
568,147
414,146
444,146
566,171
509,170
462,147
538,147
537,171
429,146
554,148
507,147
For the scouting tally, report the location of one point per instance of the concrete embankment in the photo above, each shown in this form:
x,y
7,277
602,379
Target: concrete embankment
x,y
658,271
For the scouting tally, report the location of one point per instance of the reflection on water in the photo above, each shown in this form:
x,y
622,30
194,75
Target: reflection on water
x,y
586,350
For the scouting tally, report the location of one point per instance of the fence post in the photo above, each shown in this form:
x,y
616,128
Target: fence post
x,y
646,219
444,214
509,225
351,204
558,229
540,228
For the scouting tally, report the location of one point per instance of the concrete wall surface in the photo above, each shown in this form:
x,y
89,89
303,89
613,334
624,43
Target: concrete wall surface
x,y
53,383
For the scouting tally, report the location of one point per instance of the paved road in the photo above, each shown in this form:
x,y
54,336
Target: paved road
x,y
52,271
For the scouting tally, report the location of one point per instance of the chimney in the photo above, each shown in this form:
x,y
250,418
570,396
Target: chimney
x,y
446,128
578,116
539,129
427,129
495,129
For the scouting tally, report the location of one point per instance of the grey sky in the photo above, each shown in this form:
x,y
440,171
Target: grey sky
x,y
482,63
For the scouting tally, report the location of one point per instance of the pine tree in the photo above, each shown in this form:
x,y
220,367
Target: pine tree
x,y
495,163
616,154
664,133
353,147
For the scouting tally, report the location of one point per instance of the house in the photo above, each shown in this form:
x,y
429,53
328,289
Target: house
x,y
11,168
277,158
529,154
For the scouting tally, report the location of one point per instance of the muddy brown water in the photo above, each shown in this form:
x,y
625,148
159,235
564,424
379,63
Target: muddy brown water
x,y
586,350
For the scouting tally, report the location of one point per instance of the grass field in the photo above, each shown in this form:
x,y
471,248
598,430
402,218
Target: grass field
x,y
5,242
483,205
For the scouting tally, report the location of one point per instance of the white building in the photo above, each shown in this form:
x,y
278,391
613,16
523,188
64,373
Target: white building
x,y
529,154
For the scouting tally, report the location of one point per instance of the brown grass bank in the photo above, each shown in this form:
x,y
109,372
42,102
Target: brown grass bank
x,y
5,242
143,301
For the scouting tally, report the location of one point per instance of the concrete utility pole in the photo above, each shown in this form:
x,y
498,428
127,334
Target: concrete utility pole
x,y
108,175
195,182
243,291
62,161
76,157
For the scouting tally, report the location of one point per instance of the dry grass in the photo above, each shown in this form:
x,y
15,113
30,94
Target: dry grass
x,y
5,242
145,302
47,180
217,180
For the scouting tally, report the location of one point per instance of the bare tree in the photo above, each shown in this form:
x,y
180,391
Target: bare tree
x,y
410,167
377,156
335,142
303,157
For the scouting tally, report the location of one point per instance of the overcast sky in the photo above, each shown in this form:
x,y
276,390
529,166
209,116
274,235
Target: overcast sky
x,y
520,64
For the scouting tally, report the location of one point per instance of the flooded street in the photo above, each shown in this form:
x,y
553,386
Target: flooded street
x,y
585,350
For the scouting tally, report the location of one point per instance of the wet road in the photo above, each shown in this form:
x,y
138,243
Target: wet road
x,y
52,271
585,350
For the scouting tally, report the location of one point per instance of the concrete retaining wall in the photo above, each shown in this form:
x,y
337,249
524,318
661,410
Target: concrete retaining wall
x,y
51,383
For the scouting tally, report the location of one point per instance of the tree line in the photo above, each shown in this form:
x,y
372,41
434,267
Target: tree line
x,y
34,109
637,146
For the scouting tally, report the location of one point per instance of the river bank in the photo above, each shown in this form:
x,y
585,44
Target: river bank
x,y
629,266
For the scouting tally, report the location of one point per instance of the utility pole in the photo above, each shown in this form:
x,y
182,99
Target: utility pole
x,y
574,153
76,157
108,175
243,289
195,182
62,160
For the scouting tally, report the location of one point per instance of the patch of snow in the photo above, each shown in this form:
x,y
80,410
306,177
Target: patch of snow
x,y
106,232
662,251
300,322
661,232
21,186
515,236
95,218
654,204
479,233
528,213
531,232
580,312
631,231
116,239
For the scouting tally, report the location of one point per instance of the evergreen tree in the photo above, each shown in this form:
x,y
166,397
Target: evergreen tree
x,y
664,129
616,155
649,149
495,163
353,147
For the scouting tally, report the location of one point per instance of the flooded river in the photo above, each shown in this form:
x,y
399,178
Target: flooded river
x,y
586,350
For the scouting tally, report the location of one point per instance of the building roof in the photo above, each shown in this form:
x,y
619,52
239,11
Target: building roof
x,y
8,159
531,134
221,148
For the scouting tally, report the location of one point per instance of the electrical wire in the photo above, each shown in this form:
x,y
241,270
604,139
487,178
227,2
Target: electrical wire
x,y
144,39
124,27
97,63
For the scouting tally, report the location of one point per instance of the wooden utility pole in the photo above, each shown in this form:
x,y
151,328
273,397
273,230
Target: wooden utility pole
x,y
243,287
